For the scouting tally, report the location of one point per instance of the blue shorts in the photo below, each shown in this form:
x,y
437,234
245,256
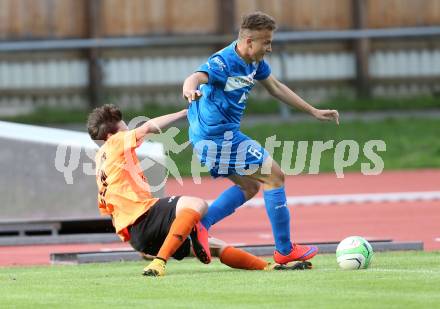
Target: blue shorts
x,y
235,154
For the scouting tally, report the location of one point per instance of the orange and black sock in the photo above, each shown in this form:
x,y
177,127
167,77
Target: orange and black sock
x,y
240,259
179,231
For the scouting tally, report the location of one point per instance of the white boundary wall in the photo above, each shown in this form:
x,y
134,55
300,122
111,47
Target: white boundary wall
x,y
32,188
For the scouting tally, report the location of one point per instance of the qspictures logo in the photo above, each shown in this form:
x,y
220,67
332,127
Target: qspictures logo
x,y
297,157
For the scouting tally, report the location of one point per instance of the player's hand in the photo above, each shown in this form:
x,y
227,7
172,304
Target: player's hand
x,y
192,95
327,115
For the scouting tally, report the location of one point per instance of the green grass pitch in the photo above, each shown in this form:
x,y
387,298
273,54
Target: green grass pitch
x,y
394,280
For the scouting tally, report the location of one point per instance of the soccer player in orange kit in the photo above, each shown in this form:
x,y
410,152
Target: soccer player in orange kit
x,y
157,227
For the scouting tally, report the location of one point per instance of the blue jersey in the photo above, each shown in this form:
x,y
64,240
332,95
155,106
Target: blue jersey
x,y
230,79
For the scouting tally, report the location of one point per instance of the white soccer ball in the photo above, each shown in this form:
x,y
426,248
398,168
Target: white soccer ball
x,y
354,252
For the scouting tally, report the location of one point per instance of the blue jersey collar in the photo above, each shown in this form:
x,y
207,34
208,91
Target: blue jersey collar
x,y
234,46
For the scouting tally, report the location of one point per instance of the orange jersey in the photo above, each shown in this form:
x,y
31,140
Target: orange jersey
x,y
123,189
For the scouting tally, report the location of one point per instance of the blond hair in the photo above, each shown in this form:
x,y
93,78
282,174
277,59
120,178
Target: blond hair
x,y
257,21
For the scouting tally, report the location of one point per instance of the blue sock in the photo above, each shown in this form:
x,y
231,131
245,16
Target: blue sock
x,y
279,216
223,206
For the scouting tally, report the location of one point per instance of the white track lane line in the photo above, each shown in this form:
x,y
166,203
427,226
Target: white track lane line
x,y
310,200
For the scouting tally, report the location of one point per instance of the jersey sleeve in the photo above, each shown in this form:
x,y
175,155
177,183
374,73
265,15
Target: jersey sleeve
x,y
124,141
263,70
216,69
130,140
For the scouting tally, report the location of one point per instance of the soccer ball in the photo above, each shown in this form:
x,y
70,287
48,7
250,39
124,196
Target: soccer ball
x,y
354,252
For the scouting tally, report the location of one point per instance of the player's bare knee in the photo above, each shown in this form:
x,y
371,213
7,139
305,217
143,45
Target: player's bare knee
x,y
199,205
281,178
276,180
251,189
193,203
203,207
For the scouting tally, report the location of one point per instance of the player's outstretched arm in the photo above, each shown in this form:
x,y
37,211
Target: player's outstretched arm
x,y
286,95
156,124
190,85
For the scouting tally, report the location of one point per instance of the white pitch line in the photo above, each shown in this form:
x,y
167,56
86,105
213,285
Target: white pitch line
x,y
385,270
413,271
310,200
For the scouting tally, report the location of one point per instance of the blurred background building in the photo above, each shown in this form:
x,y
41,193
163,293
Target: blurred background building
x,y
80,53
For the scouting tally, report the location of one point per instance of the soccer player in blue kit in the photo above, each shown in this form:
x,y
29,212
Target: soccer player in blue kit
x,y
217,93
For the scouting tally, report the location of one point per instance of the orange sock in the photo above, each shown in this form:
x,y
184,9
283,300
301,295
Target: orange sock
x,y
179,231
237,258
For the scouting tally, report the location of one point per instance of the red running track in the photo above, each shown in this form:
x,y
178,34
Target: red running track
x,y
323,184
411,221
403,221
